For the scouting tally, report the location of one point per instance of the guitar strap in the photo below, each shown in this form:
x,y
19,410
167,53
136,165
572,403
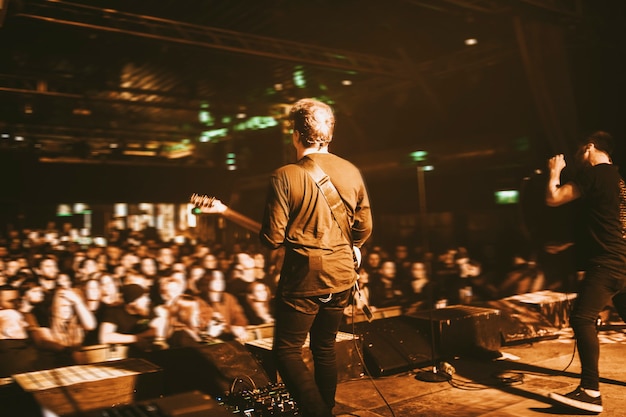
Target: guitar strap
x,y
338,210
337,207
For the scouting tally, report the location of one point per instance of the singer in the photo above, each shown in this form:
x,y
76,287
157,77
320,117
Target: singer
x,y
603,192
318,273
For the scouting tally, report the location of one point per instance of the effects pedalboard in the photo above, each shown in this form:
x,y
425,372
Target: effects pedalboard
x,y
272,400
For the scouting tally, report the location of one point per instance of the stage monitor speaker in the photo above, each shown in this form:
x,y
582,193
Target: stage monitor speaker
x,y
186,404
216,369
522,324
461,330
392,345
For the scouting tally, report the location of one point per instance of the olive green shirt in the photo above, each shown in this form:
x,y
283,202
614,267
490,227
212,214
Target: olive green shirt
x,y
318,258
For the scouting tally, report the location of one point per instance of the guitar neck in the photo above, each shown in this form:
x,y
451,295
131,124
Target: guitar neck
x,y
242,220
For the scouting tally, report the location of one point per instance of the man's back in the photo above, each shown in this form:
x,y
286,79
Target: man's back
x,y
318,256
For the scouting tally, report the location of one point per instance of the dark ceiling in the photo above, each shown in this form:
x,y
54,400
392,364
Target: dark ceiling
x,y
126,82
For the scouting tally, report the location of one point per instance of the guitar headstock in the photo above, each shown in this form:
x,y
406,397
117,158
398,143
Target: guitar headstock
x,y
207,204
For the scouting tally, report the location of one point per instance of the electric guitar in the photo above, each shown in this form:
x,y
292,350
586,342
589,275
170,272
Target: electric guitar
x,y
210,205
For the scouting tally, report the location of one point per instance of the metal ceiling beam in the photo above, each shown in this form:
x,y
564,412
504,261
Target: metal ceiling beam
x,y
61,12
566,7
104,134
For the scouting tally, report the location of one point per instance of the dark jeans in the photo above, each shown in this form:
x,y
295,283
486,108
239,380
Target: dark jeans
x,y
294,320
597,288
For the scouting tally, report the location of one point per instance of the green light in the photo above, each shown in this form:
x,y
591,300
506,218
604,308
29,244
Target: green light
x,y
209,135
256,123
298,77
196,210
418,156
205,117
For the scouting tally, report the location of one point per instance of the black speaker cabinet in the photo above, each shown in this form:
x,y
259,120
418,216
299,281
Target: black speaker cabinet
x,y
461,330
392,345
216,369
187,404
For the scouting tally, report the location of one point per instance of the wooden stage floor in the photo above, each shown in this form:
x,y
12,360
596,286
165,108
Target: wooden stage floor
x,y
514,385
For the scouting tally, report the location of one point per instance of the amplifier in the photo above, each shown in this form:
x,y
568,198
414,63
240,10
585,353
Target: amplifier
x,y
554,306
461,329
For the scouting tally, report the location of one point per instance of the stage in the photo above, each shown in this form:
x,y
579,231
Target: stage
x,y
514,385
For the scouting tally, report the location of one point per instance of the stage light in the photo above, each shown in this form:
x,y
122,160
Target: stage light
x,y
418,156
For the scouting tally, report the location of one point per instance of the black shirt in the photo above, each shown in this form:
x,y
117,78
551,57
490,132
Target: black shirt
x,y
126,323
603,194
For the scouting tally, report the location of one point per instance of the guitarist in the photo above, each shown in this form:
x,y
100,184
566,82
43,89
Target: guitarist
x,y
318,272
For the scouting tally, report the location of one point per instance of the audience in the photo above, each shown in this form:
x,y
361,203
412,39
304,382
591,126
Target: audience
x,y
149,295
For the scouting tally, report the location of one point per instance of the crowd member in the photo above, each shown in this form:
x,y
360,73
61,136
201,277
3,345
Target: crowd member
x,y
242,275
603,191
149,267
165,259
130,323
113,254
109,289
184,324
260,270
403,262
209,261
196,271
86,268
372,262
91,292
257,304
318,273
419,288
11,268
69,320
386,289
17,353
221,313
47,272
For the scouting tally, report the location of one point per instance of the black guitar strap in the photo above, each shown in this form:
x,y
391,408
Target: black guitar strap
x,y
337,207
